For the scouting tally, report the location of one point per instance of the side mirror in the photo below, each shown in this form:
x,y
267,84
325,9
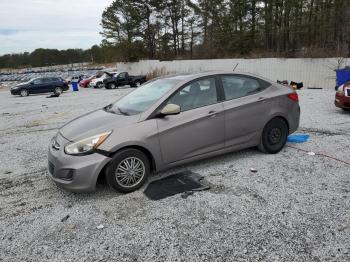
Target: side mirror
x,y
171,109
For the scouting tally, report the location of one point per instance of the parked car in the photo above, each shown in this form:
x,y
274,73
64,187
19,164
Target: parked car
x,y
122,79
342,97
41,85
85,82
171,121
98,81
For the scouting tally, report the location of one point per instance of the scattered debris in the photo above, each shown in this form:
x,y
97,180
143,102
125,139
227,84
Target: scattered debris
x,y
253,170
314,88
100,226
8,172
53,95
311,153
186,194
182,182
71,226
296,85
298,138
64,219
343,227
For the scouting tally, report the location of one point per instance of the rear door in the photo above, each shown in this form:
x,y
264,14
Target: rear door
x,y
247,105
199,128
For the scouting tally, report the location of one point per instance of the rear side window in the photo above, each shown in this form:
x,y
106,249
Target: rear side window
x,y
240,86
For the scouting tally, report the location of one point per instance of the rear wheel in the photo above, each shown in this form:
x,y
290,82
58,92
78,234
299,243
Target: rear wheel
x,y
137,83
346,109
58,91
24,92
274,136
128,170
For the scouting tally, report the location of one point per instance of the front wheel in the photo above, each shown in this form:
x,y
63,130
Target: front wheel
x,y
99,85
128,170
274,136
24,92
112,86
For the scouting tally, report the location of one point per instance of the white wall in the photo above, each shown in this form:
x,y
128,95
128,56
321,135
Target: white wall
x,y
313,72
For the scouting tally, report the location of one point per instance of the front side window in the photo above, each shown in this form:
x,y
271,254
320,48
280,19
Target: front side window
x,y
37,81
142,98
197,94
239,86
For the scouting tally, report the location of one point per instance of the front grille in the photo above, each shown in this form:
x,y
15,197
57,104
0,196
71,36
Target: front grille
x,y
51,168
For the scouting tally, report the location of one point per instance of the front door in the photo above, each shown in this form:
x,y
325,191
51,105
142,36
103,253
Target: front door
x,y
122,79
199,128
38,86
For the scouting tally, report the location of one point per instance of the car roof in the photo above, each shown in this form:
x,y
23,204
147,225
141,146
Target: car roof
x,y
190,76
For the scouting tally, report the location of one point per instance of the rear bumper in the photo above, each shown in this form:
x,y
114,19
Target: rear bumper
x,y
342,101
74,173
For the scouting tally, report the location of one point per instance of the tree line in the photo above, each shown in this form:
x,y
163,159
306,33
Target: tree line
x,y
198,29
167,29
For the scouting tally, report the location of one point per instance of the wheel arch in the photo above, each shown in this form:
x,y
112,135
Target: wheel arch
x,y
281,116
143,149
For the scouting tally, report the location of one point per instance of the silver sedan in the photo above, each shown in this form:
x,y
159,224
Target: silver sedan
x,y
171,121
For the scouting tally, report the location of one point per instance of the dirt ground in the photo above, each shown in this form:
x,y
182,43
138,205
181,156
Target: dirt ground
x,y
296,207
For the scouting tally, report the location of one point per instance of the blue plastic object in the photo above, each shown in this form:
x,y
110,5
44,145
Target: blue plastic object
x,y
75,86
343,75
298,138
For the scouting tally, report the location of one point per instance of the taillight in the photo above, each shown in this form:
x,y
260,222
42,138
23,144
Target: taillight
x,y
293,96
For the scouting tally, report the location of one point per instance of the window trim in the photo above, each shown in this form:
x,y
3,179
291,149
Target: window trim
x,y
263,84
219,95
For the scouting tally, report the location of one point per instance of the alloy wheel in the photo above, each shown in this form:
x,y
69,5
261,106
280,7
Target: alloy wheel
x,y
130,172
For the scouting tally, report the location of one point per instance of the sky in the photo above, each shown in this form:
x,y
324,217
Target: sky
x,y
29,24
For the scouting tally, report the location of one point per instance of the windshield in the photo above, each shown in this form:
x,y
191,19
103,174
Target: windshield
x,y
142,98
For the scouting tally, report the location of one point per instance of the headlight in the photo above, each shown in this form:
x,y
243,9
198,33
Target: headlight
x,y
86,145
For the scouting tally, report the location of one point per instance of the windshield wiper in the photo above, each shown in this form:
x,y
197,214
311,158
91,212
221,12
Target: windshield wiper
x,y
109,108
122,112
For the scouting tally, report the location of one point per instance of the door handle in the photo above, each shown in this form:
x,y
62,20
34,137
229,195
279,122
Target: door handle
x,y
262,99
212,113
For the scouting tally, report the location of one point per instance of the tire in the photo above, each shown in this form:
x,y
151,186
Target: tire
x,y
24,92
274,136
99,85
124,181
346,109
135,84
112,86
58,91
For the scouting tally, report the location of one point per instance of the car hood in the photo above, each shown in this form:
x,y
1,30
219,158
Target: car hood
x,y
94,123
19,85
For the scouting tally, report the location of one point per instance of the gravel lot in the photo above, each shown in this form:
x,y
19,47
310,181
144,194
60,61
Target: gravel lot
x,y
295,208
